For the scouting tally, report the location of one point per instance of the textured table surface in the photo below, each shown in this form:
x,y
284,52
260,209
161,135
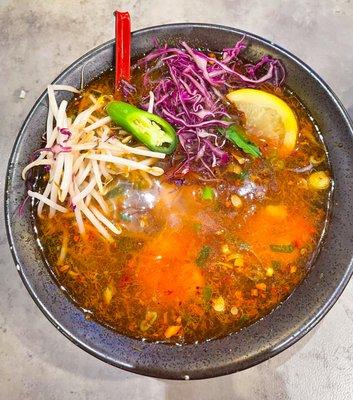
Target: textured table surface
x,y
38,39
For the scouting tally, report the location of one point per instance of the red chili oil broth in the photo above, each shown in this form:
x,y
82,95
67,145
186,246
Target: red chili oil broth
x,y
191,265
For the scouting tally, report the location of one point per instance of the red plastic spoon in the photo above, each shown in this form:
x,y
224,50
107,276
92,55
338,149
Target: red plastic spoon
x,y
122,47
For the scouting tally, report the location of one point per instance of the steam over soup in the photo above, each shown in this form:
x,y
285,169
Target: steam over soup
x,y
188,204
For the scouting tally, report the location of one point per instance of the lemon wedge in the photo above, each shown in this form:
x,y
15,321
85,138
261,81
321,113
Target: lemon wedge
x,y
267,117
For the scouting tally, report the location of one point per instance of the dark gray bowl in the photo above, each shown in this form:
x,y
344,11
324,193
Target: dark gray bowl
x,y
262,340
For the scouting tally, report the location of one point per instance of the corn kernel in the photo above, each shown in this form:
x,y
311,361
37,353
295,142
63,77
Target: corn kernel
x,y
319,180
238,260
144,325
219,304
316,161
261,286
151,317
278,211
225,249
293,269
235,168
269,271
236,201
107,295
303,251
302,183
64,268
172,331
234,310
241,160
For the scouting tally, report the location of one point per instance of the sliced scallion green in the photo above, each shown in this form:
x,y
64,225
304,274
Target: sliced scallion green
x,y
203,256
282,248
208,193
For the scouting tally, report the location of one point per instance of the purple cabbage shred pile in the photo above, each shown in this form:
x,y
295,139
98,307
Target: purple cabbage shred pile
x,y
190,96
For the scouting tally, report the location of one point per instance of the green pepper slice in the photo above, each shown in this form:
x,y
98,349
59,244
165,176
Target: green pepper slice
x,y
236,134
150,129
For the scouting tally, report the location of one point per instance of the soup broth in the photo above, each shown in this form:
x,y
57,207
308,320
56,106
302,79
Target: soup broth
x,y
200,256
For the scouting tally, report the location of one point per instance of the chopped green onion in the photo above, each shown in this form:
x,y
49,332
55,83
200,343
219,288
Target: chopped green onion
x,y
275,264
208,193
151,316
282,248
207,293
243,175
125,217
203,256
149,320
197,226
244,319
118,190
144,326
244,246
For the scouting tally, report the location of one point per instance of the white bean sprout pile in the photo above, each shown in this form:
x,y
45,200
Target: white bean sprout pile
x,y
83,155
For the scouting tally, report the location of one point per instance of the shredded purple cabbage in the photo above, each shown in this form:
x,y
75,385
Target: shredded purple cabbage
x,y
127,88
56,149
29,182
65,132
190,95
22,206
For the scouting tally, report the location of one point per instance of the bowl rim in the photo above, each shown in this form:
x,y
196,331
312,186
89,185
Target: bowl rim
x,y
261,355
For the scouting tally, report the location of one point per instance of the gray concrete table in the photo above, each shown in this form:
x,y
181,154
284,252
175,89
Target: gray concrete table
x,y
38,39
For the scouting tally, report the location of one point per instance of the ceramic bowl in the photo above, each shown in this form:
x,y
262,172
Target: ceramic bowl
x,y
265,338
